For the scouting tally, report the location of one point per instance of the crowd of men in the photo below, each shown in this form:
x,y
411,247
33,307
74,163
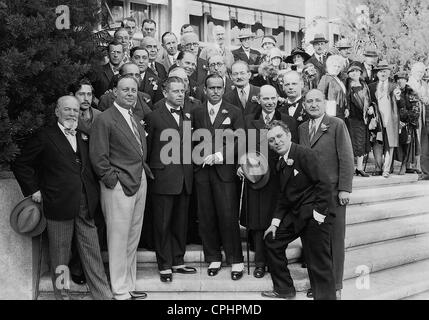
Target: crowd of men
x,y
104,156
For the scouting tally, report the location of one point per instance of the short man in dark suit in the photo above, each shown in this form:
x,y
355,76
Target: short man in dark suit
x,y
143,104
118,154
318,59
54,169
188,61
368,65
190,42
329,137
245,53
215,182
103,77
293,86
260,204
301,211
244,95
172,186
151,45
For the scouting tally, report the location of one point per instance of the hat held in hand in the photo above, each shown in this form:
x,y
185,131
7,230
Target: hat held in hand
x,y
256,169
27,218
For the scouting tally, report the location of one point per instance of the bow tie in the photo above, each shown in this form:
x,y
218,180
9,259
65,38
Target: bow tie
x,y
70,132
178,111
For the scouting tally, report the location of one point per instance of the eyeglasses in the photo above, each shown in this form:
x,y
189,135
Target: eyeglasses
x,y
236,74
192,44
217,64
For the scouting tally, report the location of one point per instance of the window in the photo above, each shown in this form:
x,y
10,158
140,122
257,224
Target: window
x,y
139,12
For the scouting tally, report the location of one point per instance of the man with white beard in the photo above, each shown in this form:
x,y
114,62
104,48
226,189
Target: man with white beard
x,y
54,170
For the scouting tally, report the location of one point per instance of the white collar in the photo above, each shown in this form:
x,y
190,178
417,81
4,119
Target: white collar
x,y
216,106
264,115
169,107
295,101
318,121
246,88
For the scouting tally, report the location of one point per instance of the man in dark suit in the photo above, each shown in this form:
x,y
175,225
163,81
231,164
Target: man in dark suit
x,y
217,65
368,65
54,169
329,137
172,186
103,77
345,49
318,59
190,42
301,211
215,181
151,45
118,154
260,204
245,53
143,104
244,95
294,104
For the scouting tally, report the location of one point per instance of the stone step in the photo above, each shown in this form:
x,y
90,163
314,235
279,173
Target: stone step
x,y
419,296
388,193
361,182
391,284
383,230
386,210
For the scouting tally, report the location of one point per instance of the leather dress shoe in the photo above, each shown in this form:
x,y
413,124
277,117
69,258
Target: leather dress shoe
x,y
274,294
362,173
185,270
213,271
236,275
310,293
137,295
78,279
259,272
166,277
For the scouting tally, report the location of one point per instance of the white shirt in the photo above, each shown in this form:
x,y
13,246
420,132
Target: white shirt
x,y
125,114
142,75
175,115
264,115
215,107
70,138
172,58
319,58
293,107
114,70
318,122
246,92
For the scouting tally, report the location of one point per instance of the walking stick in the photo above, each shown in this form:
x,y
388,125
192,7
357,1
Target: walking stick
x,y
247,232
39,267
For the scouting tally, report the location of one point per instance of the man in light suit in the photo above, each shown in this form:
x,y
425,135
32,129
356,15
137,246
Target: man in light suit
x,y
118,154
301,211
215,181
54,169
244,95
169,43
329,137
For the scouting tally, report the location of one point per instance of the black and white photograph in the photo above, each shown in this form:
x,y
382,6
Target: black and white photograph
x,y
219,157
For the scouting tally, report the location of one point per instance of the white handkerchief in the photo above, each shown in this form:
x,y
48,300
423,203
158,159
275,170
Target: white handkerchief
x,y
146,133
295,172
227,121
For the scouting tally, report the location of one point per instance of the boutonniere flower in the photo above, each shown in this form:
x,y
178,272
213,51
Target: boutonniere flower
x,y
187,115
153,83
281,101
324,127
255,99
300,119
205,67
194,89
290,162
84,137
224,111
142,123
232,87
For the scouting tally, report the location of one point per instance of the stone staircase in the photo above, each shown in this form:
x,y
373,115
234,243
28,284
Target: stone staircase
x,y
387,255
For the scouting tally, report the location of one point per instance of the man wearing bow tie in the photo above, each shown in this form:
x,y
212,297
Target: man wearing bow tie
x,y
54,169
301,211
292,86
215,180
118,154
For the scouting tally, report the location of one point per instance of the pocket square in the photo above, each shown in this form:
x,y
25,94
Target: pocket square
x,y
227,121
295,172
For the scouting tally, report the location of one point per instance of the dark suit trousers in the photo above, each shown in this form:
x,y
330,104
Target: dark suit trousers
x,y
259,245
60,236
338,247
170,218
425,150
316,242
218,217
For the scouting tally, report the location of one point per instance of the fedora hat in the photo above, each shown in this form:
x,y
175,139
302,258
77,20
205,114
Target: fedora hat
x,y
383,65
297,51
318,37
343,44
370,53
256,169
245,33
27,218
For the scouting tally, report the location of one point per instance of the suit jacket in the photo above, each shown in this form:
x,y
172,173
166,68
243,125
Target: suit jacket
x,y
141,109
304,187
392,129
200,72
115,153
228,117
333,92
170,179
199,92
162,72
334,149
48,163
165,61
102,80
321,68
252,61
365,75
251,106
299,115
85,126
152,85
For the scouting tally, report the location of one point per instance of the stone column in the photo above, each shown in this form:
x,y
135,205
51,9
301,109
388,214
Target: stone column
x,y
179,14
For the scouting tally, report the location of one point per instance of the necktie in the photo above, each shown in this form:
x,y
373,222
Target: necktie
x,y
135,128
267,119
321,60
212,114
70,132
281,164
152,66
243,99
312,129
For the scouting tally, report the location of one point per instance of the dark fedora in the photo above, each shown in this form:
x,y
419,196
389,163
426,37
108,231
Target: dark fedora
x,y
256,169
318,37
370,53
383,65
27,218
295,52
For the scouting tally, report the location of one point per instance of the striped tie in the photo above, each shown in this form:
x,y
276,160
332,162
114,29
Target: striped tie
x,y
312,129
135,129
